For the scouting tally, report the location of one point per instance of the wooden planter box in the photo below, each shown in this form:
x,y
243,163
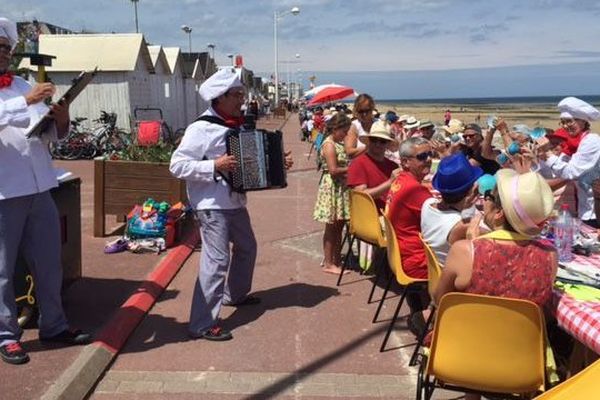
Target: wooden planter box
x,y
119,185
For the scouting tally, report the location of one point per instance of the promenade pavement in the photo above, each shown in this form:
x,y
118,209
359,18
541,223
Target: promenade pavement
x,y
307,339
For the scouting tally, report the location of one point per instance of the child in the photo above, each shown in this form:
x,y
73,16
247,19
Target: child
x,y
333,200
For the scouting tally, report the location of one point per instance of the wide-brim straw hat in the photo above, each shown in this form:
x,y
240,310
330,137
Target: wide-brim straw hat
x,y
412,122
381,130
526,200
454,126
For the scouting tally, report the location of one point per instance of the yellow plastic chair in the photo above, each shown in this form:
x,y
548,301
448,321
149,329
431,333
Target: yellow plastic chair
x,y
487,345
364,225
405,281
583,386
434,272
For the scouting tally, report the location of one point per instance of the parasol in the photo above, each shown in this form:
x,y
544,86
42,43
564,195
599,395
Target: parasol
x,y
331,94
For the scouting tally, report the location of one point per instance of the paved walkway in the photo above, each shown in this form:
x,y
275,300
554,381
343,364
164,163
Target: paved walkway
x,y
307,339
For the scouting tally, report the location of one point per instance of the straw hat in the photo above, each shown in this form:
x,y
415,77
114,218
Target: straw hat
x,y
411,122
403,118
454,126
380,130
526,200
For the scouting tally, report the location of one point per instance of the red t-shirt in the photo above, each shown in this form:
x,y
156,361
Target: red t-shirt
x,y
364,170
405,200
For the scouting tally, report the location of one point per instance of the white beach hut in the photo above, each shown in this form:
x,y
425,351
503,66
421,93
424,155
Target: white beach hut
x,y
125,79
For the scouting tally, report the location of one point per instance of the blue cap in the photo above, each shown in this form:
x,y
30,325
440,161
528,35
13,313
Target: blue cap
x,y
455,174
486,182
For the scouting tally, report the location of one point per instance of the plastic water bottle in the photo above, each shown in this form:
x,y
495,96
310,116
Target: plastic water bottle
x,y
563,234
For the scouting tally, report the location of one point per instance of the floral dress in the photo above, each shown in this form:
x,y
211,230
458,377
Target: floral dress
x,y
523,271
333,198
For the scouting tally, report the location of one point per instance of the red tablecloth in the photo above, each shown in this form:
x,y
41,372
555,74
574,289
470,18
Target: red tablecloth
x,y
581,319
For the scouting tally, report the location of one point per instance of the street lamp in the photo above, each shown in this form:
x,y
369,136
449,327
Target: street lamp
x,y
211,48
289,81
230,56
188,30
136,15
276,17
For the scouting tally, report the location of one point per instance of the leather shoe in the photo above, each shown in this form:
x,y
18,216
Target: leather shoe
x,y
248,301
13,353
73,338
215,333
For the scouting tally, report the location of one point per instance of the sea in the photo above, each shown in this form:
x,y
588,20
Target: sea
x,y
478,101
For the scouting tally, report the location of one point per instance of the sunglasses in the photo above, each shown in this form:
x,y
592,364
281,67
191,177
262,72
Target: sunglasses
x,y
424,156
489,196
378,140
5,48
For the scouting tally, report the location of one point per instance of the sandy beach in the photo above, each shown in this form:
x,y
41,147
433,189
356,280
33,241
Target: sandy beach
x,y
545,115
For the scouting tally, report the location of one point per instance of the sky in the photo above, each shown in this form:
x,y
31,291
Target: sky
x,y
392,49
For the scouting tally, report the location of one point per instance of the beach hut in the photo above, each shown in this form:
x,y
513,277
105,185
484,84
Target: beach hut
x,y
178,83
125,79
168,101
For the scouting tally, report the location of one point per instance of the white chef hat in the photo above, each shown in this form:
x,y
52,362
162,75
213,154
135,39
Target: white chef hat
x,y
219,83
572,107
8,29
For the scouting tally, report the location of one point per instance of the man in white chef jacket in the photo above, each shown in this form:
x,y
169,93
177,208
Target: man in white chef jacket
x,y
28,216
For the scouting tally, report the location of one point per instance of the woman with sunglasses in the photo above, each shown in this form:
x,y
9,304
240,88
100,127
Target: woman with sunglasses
x,y
364,105
333,202
584,166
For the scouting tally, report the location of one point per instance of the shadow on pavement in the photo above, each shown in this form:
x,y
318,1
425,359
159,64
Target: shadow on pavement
x,y
292,295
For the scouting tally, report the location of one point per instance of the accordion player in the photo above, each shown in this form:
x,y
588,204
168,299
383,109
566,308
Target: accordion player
x,y
260,157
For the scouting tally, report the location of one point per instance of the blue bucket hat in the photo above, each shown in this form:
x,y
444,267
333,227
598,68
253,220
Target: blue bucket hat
x,y
455,174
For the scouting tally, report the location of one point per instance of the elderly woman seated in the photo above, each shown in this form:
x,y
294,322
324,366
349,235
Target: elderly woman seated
x,y
509,261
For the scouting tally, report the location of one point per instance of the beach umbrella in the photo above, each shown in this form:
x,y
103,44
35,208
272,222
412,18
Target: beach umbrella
x,y
332,94
309,94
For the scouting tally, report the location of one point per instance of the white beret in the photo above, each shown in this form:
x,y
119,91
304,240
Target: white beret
x,y
8,29
577,108
219,83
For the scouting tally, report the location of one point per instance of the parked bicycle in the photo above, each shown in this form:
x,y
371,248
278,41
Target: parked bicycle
x,y
79,143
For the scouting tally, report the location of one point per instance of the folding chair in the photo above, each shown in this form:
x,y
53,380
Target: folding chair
x,y
434,272
365,226
405,281
585,385
487,345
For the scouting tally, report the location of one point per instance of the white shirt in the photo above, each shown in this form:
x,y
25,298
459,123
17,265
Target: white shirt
x,y
436,225
361,132
194,161
26,165
584,163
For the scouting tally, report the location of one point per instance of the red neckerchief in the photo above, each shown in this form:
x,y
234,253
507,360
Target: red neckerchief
x,y
230,121
6,80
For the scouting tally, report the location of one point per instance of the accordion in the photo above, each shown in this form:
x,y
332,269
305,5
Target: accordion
x,y
260,157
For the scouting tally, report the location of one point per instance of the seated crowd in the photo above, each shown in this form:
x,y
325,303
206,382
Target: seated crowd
x,y
480,208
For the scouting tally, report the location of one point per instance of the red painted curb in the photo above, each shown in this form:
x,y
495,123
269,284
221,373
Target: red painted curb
x,y
116,332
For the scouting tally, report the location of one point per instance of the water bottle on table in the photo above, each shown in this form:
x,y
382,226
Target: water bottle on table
x,y
564,229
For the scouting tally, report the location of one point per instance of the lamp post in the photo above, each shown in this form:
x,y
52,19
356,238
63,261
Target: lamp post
x,y
188,30
289,92
136,15
211,48
276,17
230,56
